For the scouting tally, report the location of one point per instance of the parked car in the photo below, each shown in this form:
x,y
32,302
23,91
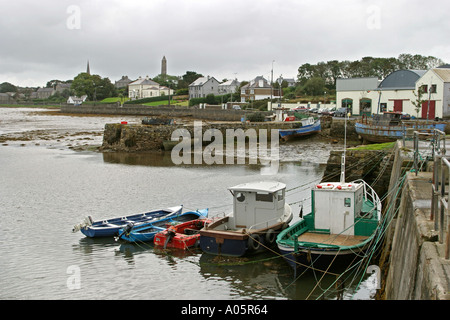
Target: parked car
x,y
326,112
314,110
301,108
341,112
405,116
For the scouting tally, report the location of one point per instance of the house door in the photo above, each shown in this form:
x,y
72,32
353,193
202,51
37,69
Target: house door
x,y
432,113
398,105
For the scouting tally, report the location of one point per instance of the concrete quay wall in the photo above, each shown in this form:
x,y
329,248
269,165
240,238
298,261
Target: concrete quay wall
x,y
412,261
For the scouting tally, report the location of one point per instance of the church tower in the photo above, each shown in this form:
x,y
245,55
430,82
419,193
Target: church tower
x,y
88,70
164,67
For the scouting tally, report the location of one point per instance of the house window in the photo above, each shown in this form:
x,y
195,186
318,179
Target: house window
x,y
433,88
424,88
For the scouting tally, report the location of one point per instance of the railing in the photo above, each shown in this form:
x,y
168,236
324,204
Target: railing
x,y
371,195
437,144
440,213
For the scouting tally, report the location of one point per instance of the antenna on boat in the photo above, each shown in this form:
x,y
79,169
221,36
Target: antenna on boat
x,y
379,98
345,147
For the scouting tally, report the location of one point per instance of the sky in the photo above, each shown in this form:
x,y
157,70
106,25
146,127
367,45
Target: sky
x,y
45,40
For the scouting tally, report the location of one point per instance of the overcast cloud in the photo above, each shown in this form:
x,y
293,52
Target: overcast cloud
x,y
45,40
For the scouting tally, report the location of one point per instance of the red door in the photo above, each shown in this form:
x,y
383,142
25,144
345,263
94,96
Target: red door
x,y
432,113
398,105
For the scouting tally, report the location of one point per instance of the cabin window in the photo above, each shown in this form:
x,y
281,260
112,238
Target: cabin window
x,y
265,197
240,197
347,202
280,195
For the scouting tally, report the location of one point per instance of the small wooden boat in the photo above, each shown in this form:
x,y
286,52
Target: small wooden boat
x,y
309,127
389,127
259,213
146,231
111,227
180,236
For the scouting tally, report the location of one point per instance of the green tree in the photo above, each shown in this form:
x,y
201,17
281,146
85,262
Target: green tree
x,y
314,86
7,87
93,86
419,100
188,78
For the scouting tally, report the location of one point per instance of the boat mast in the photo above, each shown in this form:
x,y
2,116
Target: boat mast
x,y
379,99
343,153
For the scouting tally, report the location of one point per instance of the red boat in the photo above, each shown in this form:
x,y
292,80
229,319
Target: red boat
x,y
180,236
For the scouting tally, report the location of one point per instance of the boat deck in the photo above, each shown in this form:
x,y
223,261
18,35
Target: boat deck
x,y
334,239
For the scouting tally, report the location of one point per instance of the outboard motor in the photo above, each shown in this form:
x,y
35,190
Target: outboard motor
x,y
169,235
126,230
128,227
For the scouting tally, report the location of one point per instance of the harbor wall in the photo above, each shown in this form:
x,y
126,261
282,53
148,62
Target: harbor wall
x,y
416,270
154,111
140,138
411,266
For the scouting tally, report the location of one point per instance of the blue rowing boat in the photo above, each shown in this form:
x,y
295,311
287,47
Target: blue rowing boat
x,y
309,127
146,231
111,227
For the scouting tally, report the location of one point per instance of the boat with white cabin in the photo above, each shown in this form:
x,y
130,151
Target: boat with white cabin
x,y
259,214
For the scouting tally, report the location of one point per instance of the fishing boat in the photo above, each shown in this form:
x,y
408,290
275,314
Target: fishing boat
x,y
180,236
259,213
144,232
309,127
389,126
111,227
343,221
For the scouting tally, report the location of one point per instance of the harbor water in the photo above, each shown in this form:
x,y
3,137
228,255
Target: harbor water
x,y
51,179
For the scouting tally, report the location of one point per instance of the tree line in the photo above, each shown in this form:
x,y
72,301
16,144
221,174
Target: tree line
x,y
314,79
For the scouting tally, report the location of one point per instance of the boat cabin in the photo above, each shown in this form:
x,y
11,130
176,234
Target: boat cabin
x,y
257,204
336,207
391,118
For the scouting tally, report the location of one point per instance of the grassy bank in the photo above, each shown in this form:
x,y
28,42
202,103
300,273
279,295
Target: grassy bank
x,y
376,146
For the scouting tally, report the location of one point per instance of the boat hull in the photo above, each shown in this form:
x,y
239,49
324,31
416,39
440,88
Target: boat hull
x,y
111,227
238,244
380,133
146,232
184,235
331,260
302,131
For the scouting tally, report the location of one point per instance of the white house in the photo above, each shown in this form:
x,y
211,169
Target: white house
x,y
203,86
435,85
228,87
357,94
258,89
76,100
146,88
397,92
